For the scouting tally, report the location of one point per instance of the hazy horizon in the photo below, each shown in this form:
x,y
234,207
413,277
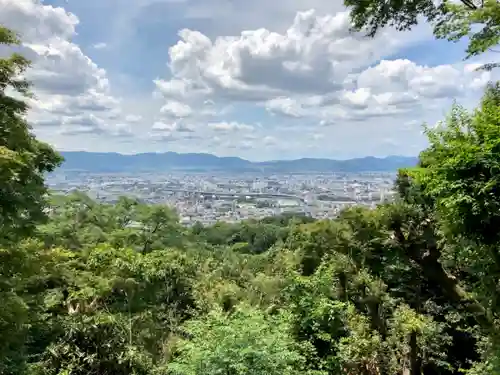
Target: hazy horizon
x,y
247,159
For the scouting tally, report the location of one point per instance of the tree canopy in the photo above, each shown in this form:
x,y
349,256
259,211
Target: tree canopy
x,y
23,159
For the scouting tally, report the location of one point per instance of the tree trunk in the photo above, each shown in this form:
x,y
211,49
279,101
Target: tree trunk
x,y
415,362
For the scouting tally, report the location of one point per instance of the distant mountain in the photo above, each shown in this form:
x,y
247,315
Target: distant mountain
x,y
114,162
366,164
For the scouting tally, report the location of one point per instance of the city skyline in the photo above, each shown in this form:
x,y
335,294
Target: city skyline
x,y
211,197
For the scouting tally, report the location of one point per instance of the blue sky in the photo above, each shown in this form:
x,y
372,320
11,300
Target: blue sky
x,y
260,79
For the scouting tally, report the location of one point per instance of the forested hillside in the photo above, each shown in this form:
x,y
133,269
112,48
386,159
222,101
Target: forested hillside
x,y
411,287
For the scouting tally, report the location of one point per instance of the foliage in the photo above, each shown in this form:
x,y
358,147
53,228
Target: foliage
x,y
251,236
77,222
23,159
461,169
244,342
110,311
461,172
481,23
478,21
15,266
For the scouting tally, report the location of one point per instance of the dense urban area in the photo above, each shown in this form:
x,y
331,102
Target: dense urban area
x,y
211,197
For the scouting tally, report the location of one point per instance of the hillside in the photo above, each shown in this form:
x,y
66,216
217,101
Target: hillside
x,y
114,162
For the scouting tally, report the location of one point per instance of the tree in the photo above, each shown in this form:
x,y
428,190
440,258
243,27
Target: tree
x,y
461,169
109,311
448,222
78,222
244,342
23,159
367,307
479,20
15,267
460,172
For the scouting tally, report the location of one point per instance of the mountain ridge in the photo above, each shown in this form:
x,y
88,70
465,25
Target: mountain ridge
x,y
116,162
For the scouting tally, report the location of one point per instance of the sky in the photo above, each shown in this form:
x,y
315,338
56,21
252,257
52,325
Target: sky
x,y
259,79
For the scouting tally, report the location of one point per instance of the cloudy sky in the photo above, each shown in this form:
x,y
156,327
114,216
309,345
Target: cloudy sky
x,y
257,79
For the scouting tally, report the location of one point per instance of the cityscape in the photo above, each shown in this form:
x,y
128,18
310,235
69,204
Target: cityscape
x,y
209,197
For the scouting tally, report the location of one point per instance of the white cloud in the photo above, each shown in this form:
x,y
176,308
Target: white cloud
x,y
285,106
83,124
405,76
389,88
101,45
176,109
316,69
61,67
161,126
121,130
71,90
72,105
230,126
176,126
163,137
236,145
269,140
37,23
314,56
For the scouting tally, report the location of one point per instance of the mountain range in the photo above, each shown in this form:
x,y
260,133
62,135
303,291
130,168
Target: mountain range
x,y
168,161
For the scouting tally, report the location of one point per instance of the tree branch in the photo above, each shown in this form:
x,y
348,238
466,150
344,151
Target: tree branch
x,y
435,272
469,4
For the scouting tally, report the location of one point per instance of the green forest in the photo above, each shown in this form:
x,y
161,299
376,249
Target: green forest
x,y
409,288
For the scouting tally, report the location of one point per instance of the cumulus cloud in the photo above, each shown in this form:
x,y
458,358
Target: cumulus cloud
x,y
89,124
83,124
37,23
176,109
389,88
314,55
73,105
67,83
61,67
285,106
315,69
403,75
